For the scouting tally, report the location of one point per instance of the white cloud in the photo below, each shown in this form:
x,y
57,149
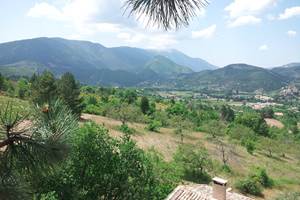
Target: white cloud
x,y
90,18
205,33
290,12
246,12
87,16
247,7
44,10
148,40
292,33
160,41
263,47
244,20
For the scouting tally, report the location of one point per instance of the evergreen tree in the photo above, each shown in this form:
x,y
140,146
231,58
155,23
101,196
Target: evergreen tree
x,y
33,149
23,88
43,88
102,167
145,106
227,114
69,92
1,82
130,96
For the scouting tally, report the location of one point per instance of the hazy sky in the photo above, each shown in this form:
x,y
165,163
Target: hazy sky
x,y
259,32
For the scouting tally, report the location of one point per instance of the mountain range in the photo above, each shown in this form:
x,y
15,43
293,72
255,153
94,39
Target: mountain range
x,y
93,63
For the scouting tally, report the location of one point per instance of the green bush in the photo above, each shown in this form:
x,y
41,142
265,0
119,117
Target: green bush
x,y
195,162
49,196
267,112
154,126
93,109
125,129
92,100
255,182
214,128
169,173
249,186
102,167
226,169
260,174
254,121
250,146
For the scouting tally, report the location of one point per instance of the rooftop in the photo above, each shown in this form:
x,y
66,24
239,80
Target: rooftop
x,y
200,192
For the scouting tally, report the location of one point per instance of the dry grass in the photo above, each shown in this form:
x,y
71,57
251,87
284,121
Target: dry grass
x,y
166,142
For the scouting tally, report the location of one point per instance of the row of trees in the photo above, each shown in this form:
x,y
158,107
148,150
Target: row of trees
x,y
44,88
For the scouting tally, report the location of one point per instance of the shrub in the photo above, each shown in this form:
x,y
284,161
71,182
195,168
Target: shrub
x,y
214,128
154,126
195,162
163,117
240,132
169,174
255,182
92,100
254,121
93,109
250,146
227,114
226,169
125,129
249,186
49,196
101,167
145,106
267,112
260,174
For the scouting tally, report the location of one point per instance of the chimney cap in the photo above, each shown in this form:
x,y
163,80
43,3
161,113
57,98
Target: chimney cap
x,y
219,181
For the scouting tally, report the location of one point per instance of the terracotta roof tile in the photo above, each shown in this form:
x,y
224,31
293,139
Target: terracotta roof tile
x,y
200,192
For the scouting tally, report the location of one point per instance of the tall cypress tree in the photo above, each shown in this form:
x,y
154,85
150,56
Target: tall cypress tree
x,y
145,107
69,92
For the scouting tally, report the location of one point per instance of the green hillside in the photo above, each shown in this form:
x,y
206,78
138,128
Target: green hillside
x,y
240,77
90,62
165,67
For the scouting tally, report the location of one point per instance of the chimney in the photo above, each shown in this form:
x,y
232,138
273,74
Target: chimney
x,y
219,188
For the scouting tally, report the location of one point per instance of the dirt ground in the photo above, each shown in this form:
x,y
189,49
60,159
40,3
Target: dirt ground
x,y
274,123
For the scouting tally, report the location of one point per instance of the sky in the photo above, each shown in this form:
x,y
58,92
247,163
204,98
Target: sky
x,y
264,33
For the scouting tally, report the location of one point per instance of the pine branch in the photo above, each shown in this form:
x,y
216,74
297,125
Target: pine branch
x,y
166,14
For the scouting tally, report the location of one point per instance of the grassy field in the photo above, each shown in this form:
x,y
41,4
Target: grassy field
x,y
21,106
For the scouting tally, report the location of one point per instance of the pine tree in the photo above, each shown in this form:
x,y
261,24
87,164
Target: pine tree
x,y
43,88
1,82
69,92
29,151
145,107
